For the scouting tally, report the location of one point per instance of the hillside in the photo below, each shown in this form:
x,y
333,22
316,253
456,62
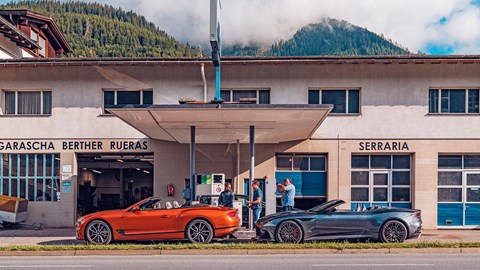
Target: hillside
x,y
329,37
96,30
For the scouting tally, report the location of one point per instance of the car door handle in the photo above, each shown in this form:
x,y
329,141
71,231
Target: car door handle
x,y
164,216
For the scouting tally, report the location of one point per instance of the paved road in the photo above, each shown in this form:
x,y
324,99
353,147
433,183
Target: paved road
x,y
253,262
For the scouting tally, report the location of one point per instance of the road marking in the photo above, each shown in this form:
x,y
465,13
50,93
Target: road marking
x,y
47,266
374,264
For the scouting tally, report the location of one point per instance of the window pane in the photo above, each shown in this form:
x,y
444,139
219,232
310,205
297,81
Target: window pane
x,y
472,162
47,102
128,97
400,178
148,97
264,97
284,163
473,101
473,195
449,162
380,179
433,101
380,194
300,163
473,179
9,102
317,164
337,98
359,178
237,95
445,101
400,194
225,95
449,195
360,162
449,178
380,162
108,98
401,162
313,96
353,101
360,195
457,101
29,102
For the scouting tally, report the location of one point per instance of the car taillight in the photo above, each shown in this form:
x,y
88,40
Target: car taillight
x,y
417,214
232,213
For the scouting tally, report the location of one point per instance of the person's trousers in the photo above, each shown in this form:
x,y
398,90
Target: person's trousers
x,y
256,216
287,208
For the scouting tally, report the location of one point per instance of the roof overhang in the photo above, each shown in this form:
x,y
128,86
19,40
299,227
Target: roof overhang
x,y
225,123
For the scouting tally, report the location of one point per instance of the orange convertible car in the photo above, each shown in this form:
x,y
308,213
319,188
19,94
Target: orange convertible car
x,y
148,220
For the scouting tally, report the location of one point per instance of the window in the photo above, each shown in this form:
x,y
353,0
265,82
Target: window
x,y
120,98
457,175
301,163
344,100
262,96
384,179
35,177
453,101
42,42
28,102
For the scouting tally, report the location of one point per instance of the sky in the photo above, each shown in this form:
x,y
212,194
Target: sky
x,y
430,26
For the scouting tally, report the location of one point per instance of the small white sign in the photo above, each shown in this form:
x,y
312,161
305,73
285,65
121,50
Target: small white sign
x,y
67,168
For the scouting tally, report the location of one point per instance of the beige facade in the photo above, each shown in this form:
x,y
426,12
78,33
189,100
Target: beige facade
x,y
394,99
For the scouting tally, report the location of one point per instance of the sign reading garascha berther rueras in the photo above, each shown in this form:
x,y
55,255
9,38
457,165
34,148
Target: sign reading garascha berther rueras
x,y
383,146
11,146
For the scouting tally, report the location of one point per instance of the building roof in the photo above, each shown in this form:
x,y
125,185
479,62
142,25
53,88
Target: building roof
x,y
9,30
56,38
321,60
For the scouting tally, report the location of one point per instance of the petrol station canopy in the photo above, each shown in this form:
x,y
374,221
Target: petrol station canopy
x,y
225,123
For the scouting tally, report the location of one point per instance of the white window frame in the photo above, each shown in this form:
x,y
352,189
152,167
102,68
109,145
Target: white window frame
x,y
257,95
115,91
390,185
346,89
439,102
301,156
42,91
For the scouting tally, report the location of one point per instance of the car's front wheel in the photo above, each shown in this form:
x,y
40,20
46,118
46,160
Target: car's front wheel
x,y
98,232
393,231
199,231
289,232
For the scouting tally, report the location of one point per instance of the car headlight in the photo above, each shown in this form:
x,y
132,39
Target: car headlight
x,y
80,221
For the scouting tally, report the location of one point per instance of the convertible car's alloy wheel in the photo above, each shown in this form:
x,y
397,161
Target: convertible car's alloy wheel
x,y
199,231
289,232
98,232
393,232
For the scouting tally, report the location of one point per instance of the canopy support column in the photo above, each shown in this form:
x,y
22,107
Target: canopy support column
x,y
192,163
251,173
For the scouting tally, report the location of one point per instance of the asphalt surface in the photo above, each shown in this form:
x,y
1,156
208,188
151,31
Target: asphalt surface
x,y
250,262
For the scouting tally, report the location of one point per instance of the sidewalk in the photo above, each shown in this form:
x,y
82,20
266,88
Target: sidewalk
x,y
66,236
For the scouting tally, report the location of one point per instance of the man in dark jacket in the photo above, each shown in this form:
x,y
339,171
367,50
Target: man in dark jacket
x,y
226,197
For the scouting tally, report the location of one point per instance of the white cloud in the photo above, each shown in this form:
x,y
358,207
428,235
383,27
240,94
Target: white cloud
x,y
412,23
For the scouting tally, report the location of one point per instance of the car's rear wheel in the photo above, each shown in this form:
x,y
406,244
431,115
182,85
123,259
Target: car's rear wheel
x,y
199,231
98,232
289,232
393,231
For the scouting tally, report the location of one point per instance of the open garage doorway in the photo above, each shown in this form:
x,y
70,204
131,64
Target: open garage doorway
x,y
107,181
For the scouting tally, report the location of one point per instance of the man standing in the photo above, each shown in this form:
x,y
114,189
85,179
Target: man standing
x,y
288,194
256,204
226,197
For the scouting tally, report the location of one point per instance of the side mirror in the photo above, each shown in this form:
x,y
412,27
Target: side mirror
x,y
135,209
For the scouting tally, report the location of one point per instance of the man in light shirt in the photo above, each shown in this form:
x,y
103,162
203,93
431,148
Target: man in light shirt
x,y
288,194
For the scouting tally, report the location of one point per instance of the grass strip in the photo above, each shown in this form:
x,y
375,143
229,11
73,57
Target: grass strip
x,y
240,246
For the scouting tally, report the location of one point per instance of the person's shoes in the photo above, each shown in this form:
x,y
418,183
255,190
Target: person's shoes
x,y
256,238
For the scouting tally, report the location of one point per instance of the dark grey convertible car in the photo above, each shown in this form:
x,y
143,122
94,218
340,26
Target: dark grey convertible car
x,y
326,222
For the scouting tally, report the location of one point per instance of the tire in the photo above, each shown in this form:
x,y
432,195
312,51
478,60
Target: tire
x,y
7,225
393,231
289,232
199,231
98,232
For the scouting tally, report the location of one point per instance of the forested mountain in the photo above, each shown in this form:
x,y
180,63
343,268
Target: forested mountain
x,y
329,37
96,30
